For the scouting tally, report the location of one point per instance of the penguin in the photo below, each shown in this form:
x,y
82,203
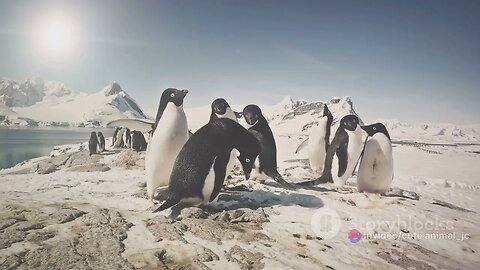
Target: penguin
x,y
93,143
221,109
375,172
127,138
138,141
200,168
343,153
266,163
318,141
101,141
114,138
119,142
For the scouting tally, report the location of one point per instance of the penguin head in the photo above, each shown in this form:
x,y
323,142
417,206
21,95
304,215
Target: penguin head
x,y
100,134
93,135
252,113
247,159
173,95
349,122
219,106
376,128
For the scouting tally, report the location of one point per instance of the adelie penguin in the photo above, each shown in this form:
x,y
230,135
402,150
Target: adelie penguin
x,y
375,173
114,137
92,143
169,134
101,142
221,109
138,141
342,154
200,168
318,141
127,138
266,164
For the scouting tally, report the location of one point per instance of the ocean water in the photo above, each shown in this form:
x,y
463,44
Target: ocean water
x,y
19,144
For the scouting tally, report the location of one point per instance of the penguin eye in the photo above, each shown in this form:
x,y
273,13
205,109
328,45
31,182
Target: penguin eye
x,y
172,94
247,160
374,128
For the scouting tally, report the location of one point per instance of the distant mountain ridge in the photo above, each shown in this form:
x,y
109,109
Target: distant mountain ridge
x,y
47,103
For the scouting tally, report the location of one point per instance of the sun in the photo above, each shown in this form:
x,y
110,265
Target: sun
x,y
57,35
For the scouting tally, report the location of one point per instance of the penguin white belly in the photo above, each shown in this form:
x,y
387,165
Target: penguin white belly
x,y
355,146
164,146
256,174
375,173
209,183
316,146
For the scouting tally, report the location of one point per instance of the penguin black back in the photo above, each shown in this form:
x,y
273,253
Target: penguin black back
x,y
138,141
93,143
328,114
209,147
169,95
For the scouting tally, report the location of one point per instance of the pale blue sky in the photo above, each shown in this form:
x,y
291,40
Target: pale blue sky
x,y
411,60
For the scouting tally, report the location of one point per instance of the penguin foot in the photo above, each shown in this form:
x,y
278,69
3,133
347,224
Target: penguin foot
x,y
324,179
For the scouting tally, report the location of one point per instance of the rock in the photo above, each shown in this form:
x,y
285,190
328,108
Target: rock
x,y
66,215
89,168
193,212
37,237
81,158
43,167
163,228
246,259
60,160
130,160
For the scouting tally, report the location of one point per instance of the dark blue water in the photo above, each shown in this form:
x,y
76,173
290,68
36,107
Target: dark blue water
x,y
19,144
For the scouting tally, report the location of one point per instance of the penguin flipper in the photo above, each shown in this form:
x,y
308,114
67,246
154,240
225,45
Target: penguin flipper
x,y
220,168
302,146
137,124
171,201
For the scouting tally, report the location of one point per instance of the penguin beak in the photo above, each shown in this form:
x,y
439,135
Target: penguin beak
x,y
247,175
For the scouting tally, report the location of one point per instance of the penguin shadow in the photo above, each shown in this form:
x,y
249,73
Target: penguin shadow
x,y
254,199
109,152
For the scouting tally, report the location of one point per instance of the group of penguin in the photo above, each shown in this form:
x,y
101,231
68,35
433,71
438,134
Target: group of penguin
x,y
96,144
122,138
194,166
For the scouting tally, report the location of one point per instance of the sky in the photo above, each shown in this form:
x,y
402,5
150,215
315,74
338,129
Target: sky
x,y
416,61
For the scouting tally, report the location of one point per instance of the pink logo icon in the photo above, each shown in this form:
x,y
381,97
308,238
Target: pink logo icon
x,y
354,235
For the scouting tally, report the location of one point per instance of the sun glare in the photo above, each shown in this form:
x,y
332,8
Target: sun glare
x,y
57,35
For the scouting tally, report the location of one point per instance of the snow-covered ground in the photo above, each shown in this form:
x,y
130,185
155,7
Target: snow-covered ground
x,y
93,211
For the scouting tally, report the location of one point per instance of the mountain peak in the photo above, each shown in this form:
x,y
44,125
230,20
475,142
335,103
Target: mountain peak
x,y
112,89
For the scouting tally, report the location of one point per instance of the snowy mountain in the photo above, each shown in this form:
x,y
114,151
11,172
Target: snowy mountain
x,y
39,102
432,132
